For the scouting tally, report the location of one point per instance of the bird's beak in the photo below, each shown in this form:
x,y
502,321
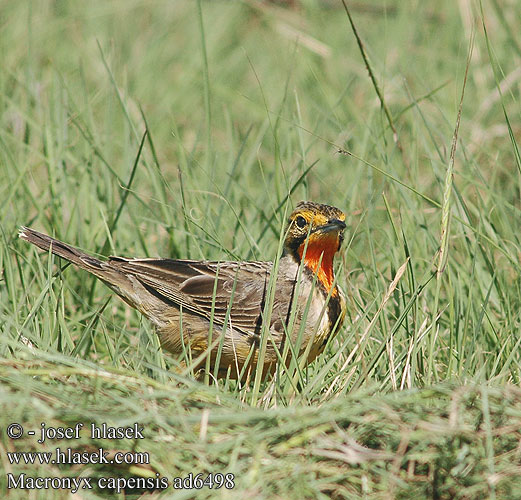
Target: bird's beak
x,y
332,225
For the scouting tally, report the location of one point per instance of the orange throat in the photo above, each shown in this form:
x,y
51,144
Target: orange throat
x,y
318,257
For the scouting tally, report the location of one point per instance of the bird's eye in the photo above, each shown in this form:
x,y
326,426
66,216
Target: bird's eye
x,y
300,221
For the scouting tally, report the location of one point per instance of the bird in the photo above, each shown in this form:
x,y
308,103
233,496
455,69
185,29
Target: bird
x,y
218,308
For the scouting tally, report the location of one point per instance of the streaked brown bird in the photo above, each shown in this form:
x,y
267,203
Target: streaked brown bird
x,y
190,301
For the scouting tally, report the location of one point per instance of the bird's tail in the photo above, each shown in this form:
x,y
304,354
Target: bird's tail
x,y
121,282
61,249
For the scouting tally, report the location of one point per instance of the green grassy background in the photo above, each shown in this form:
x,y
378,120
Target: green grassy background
x,y
247,105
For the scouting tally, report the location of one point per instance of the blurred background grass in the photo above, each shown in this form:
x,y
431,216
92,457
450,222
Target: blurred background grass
x,y
246,105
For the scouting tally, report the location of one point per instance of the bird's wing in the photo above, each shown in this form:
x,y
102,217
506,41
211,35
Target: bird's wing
x,y
208,289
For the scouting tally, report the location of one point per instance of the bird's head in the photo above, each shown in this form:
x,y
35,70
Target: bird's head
x,y
315,233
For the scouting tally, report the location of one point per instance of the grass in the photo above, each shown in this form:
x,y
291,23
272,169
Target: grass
x,y
188,130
